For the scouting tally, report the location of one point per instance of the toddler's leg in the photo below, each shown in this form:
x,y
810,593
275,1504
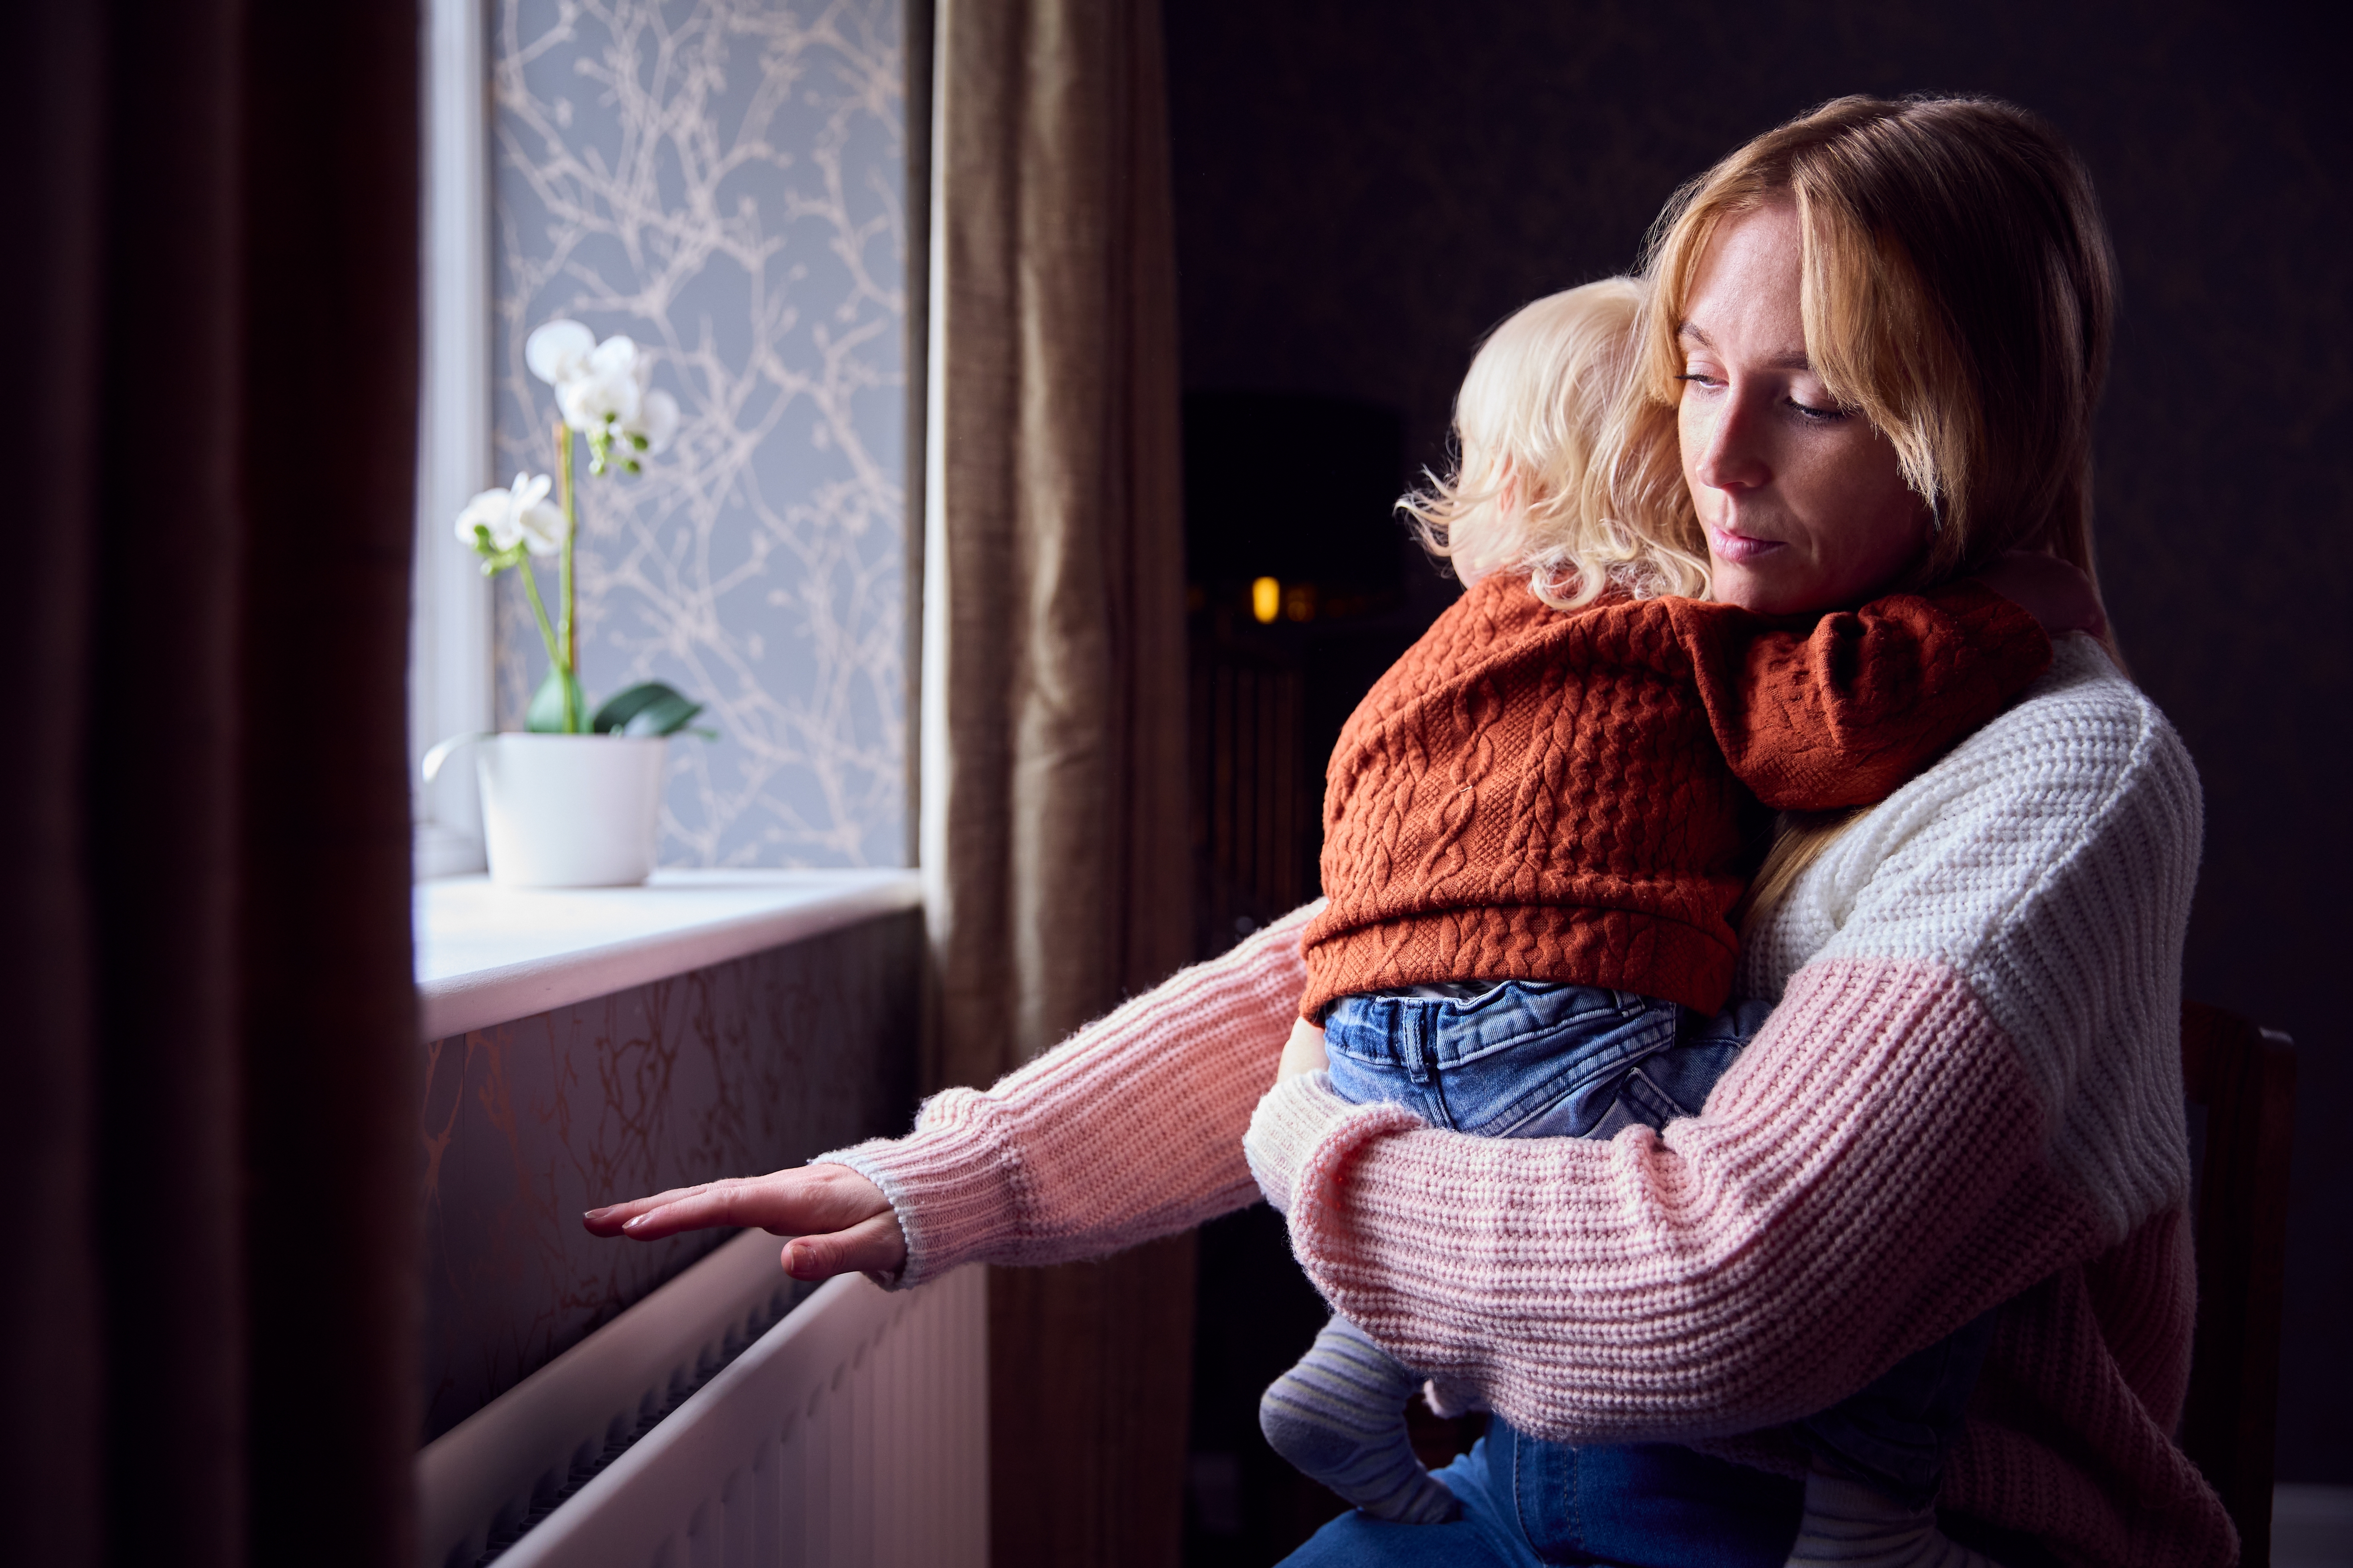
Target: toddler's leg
x,y
1339,1416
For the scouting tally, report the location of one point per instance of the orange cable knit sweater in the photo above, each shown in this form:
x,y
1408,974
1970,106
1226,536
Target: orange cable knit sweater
x,y
1533,793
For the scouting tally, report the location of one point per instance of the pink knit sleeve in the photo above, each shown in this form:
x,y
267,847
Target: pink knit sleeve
x,y
1866,1180
1130,1130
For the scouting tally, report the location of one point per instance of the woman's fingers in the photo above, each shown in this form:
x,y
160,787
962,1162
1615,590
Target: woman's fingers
x,y
1303,1052
810,1199
737,1201
837,1219
874,1245
608,1220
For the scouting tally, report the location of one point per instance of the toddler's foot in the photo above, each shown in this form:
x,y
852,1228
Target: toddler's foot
x,y
1339,1416
1850,1525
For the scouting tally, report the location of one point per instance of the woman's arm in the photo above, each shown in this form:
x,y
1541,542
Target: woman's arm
x,y
1841,714
1749,1267
1130,1130
1973,1085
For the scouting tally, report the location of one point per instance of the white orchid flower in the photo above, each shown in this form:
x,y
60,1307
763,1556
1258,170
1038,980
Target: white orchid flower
x,y
558,352
603,386
607,389
656,421
542,523
519,513
492,511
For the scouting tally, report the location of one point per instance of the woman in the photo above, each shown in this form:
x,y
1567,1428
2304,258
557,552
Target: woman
x,y
1874,340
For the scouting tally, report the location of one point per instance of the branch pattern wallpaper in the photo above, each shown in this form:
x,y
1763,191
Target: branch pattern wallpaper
x,y
725,181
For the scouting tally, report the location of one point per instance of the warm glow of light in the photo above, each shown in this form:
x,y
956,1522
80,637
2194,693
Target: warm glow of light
x,y
1266,600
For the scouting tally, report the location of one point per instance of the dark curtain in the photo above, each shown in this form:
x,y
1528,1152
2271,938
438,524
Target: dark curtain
x,y
209,1314
1054,848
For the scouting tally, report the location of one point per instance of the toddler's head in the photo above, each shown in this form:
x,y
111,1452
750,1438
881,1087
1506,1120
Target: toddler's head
x,y
1526,492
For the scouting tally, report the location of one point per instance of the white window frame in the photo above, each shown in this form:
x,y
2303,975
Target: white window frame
x,y
450,658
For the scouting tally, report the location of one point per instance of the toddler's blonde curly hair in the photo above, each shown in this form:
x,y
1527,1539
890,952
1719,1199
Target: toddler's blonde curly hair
x,y
1529,491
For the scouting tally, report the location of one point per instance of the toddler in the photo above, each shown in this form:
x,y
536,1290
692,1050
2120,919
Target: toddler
x,y
1535,836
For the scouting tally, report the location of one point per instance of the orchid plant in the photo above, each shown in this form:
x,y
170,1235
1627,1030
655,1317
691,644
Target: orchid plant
x,y
603,395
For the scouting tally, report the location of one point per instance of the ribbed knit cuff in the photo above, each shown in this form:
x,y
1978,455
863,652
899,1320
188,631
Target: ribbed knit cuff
x,y
950,1182
1284,1129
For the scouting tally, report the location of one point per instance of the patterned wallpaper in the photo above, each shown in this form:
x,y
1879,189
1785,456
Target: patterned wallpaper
x,y
725,181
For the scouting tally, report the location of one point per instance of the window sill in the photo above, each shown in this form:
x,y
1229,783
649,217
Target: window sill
x,y
488,954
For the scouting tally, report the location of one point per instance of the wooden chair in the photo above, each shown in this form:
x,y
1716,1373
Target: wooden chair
x,y
2240,1081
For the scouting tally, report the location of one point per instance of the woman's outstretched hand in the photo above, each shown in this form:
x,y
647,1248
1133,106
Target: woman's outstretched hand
x,y
837,1218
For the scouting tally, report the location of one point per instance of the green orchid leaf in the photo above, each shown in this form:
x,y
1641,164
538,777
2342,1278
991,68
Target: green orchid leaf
x,y
641,710
648,707
667,717
545,716
625,705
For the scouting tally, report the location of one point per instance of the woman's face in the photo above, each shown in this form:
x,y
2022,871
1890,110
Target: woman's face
x,y
1803,503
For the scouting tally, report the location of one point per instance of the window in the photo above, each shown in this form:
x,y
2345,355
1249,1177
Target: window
x,y
725,184
450,628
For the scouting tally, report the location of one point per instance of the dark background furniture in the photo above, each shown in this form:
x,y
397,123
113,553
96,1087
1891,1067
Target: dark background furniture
x,y
2240,1081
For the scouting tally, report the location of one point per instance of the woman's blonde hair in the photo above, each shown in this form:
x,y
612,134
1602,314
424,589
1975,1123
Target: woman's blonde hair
x,y
1957,289
1526,493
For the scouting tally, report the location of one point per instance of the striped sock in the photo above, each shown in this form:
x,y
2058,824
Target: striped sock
x,y
1850,1525
1339,1416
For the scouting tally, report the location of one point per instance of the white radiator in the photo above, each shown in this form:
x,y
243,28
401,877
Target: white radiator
x,y
852,1432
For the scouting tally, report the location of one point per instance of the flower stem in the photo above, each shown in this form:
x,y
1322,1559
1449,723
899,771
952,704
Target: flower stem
x,y
539,610
567,629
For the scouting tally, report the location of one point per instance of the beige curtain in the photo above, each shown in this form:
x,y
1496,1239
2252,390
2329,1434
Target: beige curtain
x,y
1052,813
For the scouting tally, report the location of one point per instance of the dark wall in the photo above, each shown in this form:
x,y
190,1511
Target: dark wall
x,y
1362,188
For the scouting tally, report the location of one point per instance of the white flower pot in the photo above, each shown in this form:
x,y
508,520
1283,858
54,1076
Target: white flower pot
x,y
571,811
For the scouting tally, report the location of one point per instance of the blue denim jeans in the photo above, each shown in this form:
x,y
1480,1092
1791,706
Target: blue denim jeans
x,y
1527,1502
1521,1059
1527,1060
1636,1505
